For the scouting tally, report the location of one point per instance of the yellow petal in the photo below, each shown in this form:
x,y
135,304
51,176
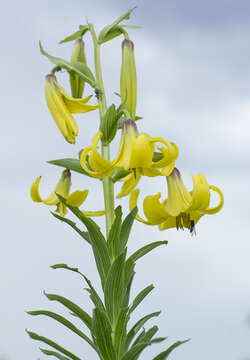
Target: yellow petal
x,y
154,210
170,153
169,223
217,208
130,182
62,188
142,152
77,198
200,193
133,203
179,199
79,106
34,191
59,111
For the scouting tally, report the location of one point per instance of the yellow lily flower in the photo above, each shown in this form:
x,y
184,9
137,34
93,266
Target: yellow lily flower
x,y
62,106
182,209
135,153
62,188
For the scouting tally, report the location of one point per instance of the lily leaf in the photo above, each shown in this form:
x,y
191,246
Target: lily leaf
x,y
113,27
164,355
51,343
70,164
102,333
84,234
81,314
98,241
120,330
76,35
146,249
83,73
125,229
138,325
64,322
140,297
54,353
114,287
114,233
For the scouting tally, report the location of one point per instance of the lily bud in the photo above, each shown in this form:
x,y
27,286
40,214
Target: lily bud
x,y
128,77
78,55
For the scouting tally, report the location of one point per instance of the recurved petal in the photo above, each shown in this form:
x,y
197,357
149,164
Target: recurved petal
x,y
34,190
77,105
200,193
77,197
133,203
170,153
154,210
217,208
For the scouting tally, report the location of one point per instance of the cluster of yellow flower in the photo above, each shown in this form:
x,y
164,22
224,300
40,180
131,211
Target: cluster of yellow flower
x,y
136,155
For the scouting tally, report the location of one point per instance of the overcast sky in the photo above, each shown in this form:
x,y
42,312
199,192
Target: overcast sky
x,y
193,71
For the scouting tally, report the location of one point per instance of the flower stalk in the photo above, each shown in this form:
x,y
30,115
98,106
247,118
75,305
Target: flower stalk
x,y
108,187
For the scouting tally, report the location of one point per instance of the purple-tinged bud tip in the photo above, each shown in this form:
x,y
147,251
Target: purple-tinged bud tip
x,y
129,124
66,174
128,43
175,172
50,77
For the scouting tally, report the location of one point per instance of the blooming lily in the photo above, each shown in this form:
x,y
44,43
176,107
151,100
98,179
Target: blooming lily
x,y
135,153
62,106
182,209
62,188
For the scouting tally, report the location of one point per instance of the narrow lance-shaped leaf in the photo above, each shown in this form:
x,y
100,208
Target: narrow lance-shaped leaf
x,y
98,242
146,249
102,333
120,331
125,229
140,297
54,353
76,35
73,307
112,27
83,234
147,336
81,70
164,355
64,322
70,164
138,325
114,233
94,296
51,343
114,287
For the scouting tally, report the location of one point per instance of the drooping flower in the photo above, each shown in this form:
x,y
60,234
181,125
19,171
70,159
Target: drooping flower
x,y
135,154
62,188
128,77
182,209
62,106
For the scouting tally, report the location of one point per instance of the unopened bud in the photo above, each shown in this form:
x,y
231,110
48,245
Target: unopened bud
x,y
128,77
78,55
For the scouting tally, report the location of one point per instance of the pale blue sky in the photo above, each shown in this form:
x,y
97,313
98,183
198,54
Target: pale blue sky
x,y
193,80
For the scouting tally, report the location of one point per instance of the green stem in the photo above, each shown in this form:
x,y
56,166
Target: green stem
x,y
108,186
